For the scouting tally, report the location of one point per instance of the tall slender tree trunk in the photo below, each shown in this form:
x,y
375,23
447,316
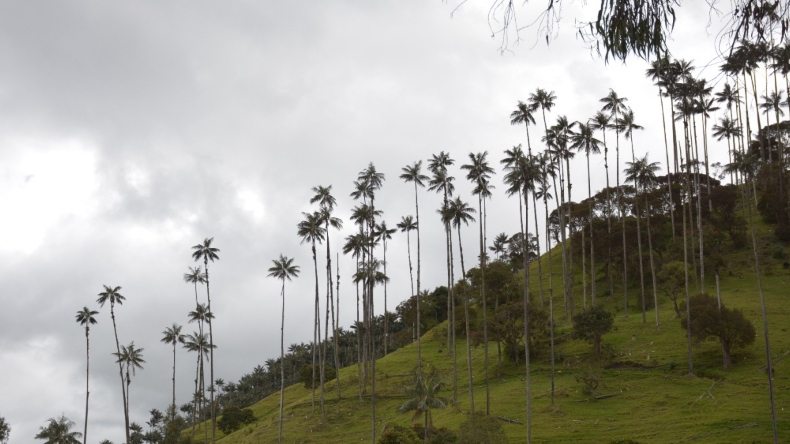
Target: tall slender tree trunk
x,y
120,372
592,234
451,325
316,332
527,381
466,323
652,264
639,238
551,303
175,341
540,258
419,337
211,353
483,296
769,366
87,381
335,326
669,175
282,366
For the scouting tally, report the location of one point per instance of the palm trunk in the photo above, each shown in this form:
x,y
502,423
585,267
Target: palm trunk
x,y
316,331
386,319
451,322
335,326
282,366
466,322
669,176
639,238
769,366
175,341
483,296
526,328
87,381
652,264
622,219
551,303
540,258
211,353
419,338
120,372
592,235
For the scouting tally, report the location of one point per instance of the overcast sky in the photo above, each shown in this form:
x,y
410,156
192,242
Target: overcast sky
x,y
131,131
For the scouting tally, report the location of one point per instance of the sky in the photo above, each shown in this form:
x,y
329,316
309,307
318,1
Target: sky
x,y
131,131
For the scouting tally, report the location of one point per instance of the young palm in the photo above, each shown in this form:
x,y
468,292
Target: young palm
x,y
172,335
85,317
311,230
113,296
642,174
282,269
382,234
499,246
206,252
413,174
424,397
132,358
58,431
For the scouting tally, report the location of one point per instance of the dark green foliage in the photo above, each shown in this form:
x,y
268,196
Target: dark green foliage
x,y
399,435
58,431
306,373
172,431
482,429
730,326
234,418
441,435
5,430
590,325
507,327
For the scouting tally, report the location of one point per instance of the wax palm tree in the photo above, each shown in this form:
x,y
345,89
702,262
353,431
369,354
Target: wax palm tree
x,y
413,174
85,317
457,213
323,196
424,394
172,335
524,114
356,244
642,173
201,315
442,182
113,296
195,276
615,106
601,121
382,233
58,431
206,252
584,140
198,343
628,125
748,165
311,230
660,72
729,129
479,172
131,357
499,246
282,269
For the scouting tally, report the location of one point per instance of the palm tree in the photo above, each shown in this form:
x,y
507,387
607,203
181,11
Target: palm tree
x,y
382,234
323,196
643,175
311,230
615,105
132,358
479,173
114,296
584,140
172,335
58,431
195,276
85,317
413,174
523,114
206,252
198,342
660,71
282,269
356,244
425,397
442,182
459,212
628,125
499,246
600,121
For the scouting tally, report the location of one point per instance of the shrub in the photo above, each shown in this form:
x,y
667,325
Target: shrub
x,y
233,418
399,435
590,325
482,429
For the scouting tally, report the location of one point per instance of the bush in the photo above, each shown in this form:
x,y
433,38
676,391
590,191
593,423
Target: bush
x,y
442,435
306,374
590,325
233,418
482,429
708,320
399,435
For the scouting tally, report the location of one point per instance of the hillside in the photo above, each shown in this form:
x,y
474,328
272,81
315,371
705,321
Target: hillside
x,y
646,369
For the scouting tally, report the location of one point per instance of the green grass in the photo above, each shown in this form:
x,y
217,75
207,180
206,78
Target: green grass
x,y
656,400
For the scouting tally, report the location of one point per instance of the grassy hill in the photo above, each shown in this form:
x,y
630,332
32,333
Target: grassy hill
x,y
646,369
